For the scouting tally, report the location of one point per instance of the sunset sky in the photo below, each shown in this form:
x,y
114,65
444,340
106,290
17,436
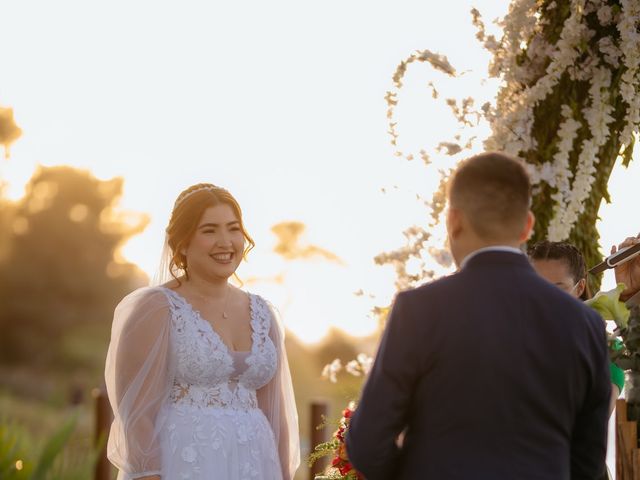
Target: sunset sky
x,y
280,102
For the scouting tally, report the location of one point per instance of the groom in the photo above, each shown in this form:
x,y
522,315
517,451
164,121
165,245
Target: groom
x,y
491,373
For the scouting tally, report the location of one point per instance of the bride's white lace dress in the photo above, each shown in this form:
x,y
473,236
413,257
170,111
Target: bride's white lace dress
x,y
187,407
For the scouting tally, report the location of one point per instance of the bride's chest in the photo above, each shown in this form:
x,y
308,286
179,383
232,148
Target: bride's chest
x,y
201,357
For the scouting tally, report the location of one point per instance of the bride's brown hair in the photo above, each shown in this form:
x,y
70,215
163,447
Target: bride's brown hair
x,y
187,211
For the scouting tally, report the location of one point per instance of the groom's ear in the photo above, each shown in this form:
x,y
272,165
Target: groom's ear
x,y
454,222
527,231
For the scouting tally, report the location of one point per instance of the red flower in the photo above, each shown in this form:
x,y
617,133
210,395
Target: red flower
x,y
340,462
346,468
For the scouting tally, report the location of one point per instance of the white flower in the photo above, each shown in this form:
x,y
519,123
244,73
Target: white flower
x,y
547,174
558,174
361,365
605,15
442,256
437,61
353,368
331,370
189,454
512,127
628,24
598,114
569,201
366,362
449,147
610,51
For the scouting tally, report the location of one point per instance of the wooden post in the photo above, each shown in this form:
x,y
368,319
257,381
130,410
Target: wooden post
x,y
102,425
319,413
627,453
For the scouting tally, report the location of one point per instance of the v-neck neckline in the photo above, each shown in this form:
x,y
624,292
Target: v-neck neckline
x,y
198,315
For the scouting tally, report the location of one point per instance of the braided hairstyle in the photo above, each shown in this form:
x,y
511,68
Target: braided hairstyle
x,y
546,250
187,212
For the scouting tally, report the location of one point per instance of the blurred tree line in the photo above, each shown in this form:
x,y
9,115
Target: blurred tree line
x,y
9,130
60,271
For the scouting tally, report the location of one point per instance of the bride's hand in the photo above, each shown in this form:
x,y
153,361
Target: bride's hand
x,y
628,272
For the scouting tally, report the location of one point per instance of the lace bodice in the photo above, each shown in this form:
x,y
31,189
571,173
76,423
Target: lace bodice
x,y
187,407
205,374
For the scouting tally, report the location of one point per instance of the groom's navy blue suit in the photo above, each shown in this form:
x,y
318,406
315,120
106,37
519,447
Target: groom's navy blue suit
x,y
494,373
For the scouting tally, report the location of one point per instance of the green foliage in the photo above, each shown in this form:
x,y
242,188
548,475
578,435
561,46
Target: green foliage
x,y
624,343
335,475
12,465
52,449
628,358
19,462
322,450
59,270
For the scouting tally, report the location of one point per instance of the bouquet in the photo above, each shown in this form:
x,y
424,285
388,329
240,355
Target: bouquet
x,y
340,468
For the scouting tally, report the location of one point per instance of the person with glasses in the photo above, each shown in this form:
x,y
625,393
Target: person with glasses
x,y
563,265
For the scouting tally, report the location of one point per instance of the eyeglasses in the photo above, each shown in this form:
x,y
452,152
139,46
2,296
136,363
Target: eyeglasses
x,y
574,287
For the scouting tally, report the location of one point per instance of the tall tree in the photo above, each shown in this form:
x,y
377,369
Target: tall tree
x,y
61,268
568,105
9,130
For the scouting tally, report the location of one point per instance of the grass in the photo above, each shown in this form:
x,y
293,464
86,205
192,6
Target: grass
x,y
44,443
47,415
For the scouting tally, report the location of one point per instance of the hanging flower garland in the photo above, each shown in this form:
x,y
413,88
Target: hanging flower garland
x,y
564,49
568,105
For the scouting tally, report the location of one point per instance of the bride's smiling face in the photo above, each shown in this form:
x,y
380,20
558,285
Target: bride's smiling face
x,y
217,246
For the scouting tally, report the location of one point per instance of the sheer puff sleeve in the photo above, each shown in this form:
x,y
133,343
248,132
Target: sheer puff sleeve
x,y
277,401
139,376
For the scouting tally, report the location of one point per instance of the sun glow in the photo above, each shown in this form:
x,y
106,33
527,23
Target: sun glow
x,y
295,127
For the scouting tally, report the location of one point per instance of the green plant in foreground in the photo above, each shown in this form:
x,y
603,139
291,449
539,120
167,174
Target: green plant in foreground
x,y
19,461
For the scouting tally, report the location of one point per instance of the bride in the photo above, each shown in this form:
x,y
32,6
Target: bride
x,y
196,371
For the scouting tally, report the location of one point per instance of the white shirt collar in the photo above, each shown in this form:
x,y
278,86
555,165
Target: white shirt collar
x,y
493,248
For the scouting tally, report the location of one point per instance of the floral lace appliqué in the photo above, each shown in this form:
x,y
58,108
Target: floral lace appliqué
x,y
204,367
214,426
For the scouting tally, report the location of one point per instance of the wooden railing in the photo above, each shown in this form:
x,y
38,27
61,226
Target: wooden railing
x,y
103,416
627,453
319,414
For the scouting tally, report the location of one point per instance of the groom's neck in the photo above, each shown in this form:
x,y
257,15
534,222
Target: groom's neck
x,y
473,244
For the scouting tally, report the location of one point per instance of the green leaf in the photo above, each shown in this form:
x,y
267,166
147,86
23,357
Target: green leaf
x,y
11,451
609,306
53,448
628,152
323,450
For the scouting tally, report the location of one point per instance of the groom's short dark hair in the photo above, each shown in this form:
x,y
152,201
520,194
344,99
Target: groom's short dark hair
x,y
494,192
